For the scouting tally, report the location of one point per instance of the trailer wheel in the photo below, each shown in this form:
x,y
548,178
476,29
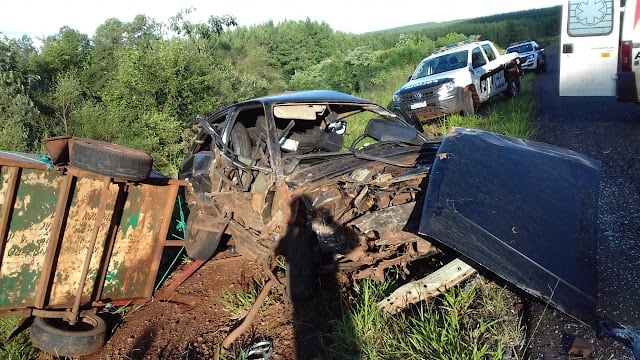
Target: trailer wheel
x,y
111,159
200,244
57,337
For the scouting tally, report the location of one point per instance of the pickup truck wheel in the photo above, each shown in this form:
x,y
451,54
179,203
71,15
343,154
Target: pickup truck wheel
x,y
200,244
513,88
57,337
468,108
110,159
538,66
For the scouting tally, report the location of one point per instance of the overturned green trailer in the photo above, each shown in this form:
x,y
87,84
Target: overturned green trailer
x,y
75,238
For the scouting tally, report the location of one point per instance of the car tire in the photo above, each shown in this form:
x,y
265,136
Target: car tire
x,y
111,159
539,66
468,107
513,87
240,140
57,337
200,244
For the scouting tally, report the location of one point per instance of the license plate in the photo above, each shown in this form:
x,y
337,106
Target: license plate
x,y
418,105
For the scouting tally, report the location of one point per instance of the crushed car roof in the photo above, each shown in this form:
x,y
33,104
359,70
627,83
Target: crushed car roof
x,y
310,96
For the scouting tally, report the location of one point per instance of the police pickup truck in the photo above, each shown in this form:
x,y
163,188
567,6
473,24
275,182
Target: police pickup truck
x,y
457,79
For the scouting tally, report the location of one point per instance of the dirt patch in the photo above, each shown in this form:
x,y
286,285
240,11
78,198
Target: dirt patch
x,y
169,330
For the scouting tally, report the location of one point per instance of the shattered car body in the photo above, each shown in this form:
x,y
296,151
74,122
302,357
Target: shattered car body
x,y
276,171
289,174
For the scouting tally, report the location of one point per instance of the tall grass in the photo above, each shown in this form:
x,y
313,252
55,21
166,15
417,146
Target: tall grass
x,y
466,323
512,117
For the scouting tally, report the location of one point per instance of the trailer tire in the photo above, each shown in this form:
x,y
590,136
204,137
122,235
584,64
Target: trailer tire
x,y
57,337
200,244
111,159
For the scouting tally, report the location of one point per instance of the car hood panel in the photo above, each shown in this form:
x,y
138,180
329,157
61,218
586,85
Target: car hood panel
x,y
523,210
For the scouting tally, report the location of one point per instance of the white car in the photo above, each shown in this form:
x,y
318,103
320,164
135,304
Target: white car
x,y
532,56
457,80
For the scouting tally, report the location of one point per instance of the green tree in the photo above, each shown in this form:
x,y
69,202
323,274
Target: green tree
x,y
65,51
102,62
18,116
66,96
214,26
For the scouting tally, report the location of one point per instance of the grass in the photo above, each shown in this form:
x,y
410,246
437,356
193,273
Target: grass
x,y
20,347
238,304
512,117
471,322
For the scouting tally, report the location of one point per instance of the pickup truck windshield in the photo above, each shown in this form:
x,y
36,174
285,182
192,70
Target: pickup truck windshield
x,y
440,64
520,49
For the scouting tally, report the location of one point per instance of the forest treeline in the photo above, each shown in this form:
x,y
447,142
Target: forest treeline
x,y
142,83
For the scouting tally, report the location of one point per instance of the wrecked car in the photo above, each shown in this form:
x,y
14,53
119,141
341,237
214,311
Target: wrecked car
x,y
309,172
337,183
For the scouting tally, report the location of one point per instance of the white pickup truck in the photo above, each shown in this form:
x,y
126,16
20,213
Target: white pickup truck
x,y
456,80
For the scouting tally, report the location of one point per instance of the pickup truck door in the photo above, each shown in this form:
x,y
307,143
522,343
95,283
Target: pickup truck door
x,y
479,73
496,72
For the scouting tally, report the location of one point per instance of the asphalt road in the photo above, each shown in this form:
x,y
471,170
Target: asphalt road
x,y
609,131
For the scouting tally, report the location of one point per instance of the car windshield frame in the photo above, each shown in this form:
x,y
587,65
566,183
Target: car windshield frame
x,y
441,64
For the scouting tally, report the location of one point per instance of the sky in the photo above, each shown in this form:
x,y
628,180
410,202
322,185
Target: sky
x,y
41,18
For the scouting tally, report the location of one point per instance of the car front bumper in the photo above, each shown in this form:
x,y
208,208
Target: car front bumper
x,y
529,62
434,102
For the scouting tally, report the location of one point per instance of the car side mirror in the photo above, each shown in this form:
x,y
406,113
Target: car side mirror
x,y
409,78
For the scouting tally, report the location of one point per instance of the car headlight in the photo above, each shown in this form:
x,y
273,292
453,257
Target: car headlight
x,y
446,88
396,98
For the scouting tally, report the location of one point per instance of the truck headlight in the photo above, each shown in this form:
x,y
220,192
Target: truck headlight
x,y
446,89
396,98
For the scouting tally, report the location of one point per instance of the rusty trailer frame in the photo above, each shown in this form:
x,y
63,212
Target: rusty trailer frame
x,y
72,240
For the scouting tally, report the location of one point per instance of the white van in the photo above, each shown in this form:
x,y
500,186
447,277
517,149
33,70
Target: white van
x,y
598,54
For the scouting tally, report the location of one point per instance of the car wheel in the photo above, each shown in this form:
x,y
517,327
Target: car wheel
x,y
544,65
468,107
58,337
110,159
538,66
513,88
240,140
199,243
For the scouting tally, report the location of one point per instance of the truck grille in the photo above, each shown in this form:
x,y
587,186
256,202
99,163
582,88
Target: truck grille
x,y
419,95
